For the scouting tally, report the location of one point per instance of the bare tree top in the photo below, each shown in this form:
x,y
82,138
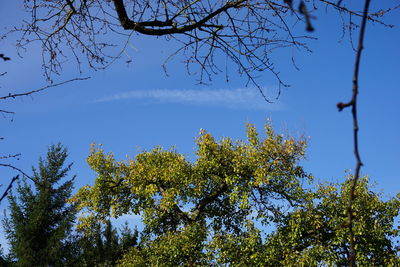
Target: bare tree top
x,y
244,31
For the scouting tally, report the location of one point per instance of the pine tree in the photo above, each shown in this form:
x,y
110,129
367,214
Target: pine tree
x,y
40,220
103,246
111,247
128,238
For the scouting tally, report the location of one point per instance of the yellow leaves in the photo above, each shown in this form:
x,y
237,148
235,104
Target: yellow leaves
x,y
230,182
174,248
244,202
252,135
150,189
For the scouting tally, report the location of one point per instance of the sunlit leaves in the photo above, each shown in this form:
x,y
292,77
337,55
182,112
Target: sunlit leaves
x,y
215,210
214,197
318,233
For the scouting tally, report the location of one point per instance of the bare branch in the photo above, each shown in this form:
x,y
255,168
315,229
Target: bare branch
x,y
140,27
244,32
41,89
360,14
6,111
16,169
353,104
10,156
9,187
5,58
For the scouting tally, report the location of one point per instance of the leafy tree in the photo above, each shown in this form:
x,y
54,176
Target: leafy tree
x,y
318,233
40,220
187,206
222,209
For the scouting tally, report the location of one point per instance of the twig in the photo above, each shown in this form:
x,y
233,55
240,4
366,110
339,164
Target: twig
x,y
353,104
6,111
9,187
15,168
4,57
9,156
41,89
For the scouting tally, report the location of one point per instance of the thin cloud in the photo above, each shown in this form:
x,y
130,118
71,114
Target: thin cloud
x,y
240,98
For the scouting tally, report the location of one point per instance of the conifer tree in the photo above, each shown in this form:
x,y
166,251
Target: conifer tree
x,y
111,246
40,219
129,238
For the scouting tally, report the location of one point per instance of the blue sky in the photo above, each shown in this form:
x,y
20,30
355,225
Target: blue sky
x,y
131,107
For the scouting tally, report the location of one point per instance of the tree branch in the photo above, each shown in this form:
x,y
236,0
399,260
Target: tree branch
x,y
6,111
353,104
5,58
15,168
140,27
41,89
208,199
9,156
175,207
9,187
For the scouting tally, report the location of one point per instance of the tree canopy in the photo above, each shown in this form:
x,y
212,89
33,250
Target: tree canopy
x,y
240,203
230,185
318,233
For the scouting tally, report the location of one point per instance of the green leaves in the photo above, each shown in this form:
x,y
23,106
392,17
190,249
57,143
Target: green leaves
x,y
319,233
214,211
182,201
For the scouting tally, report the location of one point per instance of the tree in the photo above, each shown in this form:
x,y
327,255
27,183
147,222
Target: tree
x,y
317,234
6,159
90,247
128,238
102,245
244,31
40,220
186,206
111,244
222,209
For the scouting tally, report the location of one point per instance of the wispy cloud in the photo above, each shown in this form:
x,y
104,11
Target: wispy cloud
x,y
240,98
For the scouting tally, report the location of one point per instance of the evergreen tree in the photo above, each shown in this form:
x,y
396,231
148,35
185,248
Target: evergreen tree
x,y
128,238
40,220
111,246
90,244
101,245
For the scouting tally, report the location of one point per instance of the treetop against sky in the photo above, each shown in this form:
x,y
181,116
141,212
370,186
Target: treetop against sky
x,y
133,105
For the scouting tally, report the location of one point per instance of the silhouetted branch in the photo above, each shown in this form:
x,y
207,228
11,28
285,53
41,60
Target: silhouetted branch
x,y
6,111
140,27
13,96
41,89
10,156
5,58
359,13
245,32
353,104
9,187
16,169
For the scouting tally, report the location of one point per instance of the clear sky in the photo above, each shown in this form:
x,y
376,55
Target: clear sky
x,y
130,107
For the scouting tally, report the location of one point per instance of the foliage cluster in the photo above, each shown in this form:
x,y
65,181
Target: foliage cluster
x,y
40,226
240,203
